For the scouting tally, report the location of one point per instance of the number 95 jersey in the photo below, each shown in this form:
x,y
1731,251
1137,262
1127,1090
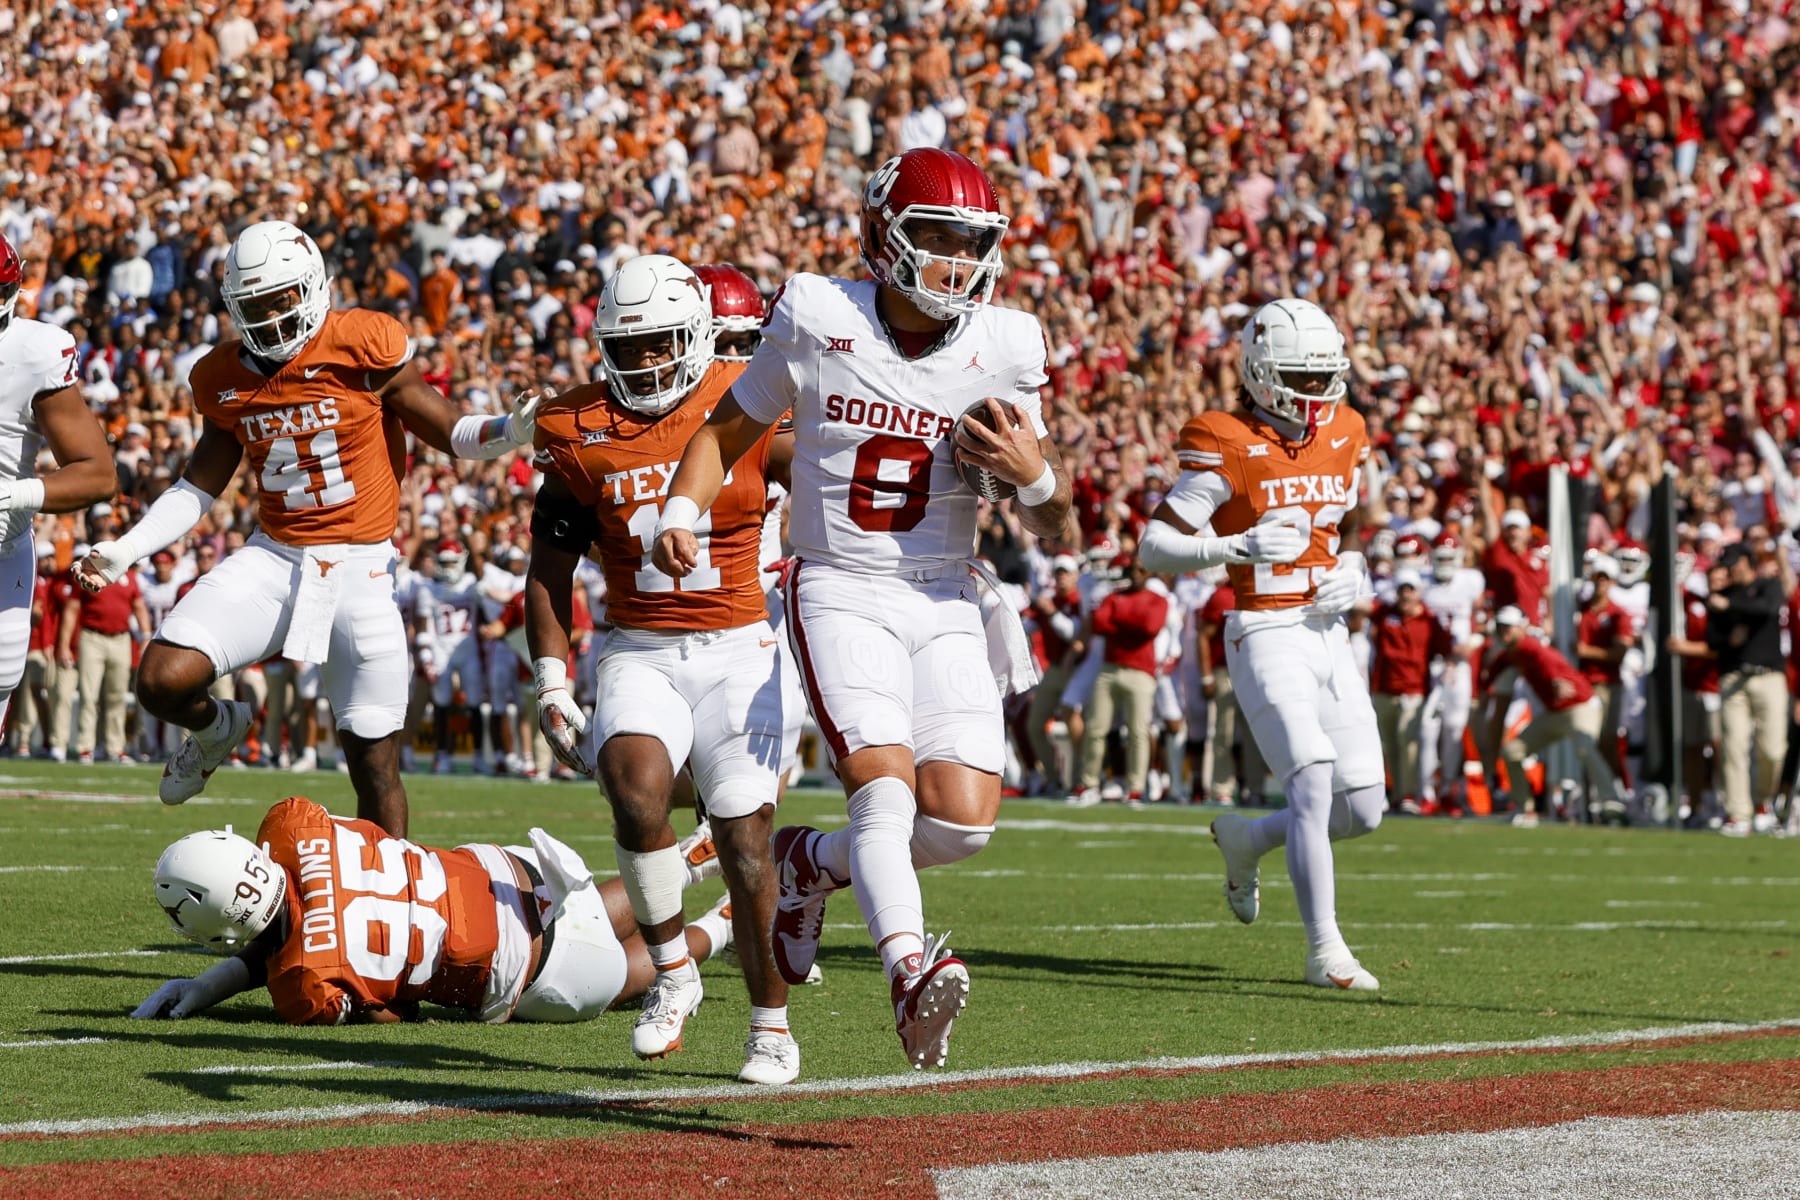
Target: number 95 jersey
x,y
875,488
1253,476
327,456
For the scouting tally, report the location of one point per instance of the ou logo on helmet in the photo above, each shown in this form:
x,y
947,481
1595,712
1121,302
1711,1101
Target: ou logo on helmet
x,y
882,182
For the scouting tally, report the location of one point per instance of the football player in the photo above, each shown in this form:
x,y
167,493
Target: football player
x,y
689,673
343,922
319,401
882,608
40,404
1451,595
449,649
1275,481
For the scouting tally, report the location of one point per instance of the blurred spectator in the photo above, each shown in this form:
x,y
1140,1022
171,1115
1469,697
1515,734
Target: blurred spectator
x,y
1743,629
1603,634
103,661
1406,639
1056,617
1701,728
1231,783
39,682
1130,618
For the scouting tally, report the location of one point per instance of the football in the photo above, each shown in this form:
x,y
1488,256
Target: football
x,y
980,480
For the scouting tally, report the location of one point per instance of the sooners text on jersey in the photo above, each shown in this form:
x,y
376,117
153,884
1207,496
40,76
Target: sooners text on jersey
x,y
875,487
621,464
376,922
327,456
1311,485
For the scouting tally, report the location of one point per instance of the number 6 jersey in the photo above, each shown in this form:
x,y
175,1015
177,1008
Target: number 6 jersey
x,y
326,454
875,489
1253,476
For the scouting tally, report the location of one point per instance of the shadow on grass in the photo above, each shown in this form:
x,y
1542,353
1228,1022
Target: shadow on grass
x,y
1133,974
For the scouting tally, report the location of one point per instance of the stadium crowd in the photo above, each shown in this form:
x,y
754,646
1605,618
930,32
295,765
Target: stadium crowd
x,y
1557,235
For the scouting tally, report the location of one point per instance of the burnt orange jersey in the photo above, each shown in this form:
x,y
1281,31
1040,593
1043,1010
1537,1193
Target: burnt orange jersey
x,y
327,456
621,464
376,922
1311,486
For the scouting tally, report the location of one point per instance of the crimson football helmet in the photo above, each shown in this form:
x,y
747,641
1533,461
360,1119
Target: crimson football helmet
x,y
1446,558
944,200
12,277
737,311
451,559
1409,551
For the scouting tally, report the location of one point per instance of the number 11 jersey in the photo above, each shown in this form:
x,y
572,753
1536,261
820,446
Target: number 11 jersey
x,y
326,454
875,486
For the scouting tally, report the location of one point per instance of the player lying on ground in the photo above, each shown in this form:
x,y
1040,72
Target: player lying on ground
x,y
343,922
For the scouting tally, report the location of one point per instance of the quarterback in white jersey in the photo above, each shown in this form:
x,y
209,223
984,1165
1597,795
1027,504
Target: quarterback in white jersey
x,y
1451,595
1276,481
882,608
40,403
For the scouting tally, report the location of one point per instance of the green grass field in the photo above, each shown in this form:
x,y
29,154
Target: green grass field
x,y
1094,936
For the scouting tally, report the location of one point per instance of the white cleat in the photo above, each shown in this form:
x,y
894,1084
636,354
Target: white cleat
x,y
926,1005
193,762
699,854
1524,820
1243,879
673,997
1341,972
771,1056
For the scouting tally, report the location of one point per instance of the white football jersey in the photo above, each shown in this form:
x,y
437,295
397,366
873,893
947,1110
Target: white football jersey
x,y
35,358
159,598
1453,601
875,488
449,606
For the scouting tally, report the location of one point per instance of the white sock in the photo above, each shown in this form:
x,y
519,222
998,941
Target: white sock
x,y
769,1018
831,851
671,955
1309,853
717,930
881,870
217,729
896,952
1268,833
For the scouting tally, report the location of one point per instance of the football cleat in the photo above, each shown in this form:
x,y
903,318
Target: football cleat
x,y
1340,971
771,1056
192,764
699,854
927,1004
1243,886
800,906
673,997
1524,820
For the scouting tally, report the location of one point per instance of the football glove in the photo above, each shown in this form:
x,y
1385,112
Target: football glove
x,y
105,565
1267,544
1342,586
182,998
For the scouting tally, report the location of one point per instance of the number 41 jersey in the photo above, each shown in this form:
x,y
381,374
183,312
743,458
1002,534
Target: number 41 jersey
x,y
1258,478
875,488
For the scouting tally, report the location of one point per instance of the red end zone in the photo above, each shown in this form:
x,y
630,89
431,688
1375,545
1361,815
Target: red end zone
x,y
893,1156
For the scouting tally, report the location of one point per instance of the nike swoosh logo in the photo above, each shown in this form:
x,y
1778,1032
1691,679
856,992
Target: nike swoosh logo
x,y
311,371
765,645
377,574
1338,443
1343,983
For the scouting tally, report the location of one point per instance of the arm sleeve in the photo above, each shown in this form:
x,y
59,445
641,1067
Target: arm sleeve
x,y
175,512
769,382
1197,495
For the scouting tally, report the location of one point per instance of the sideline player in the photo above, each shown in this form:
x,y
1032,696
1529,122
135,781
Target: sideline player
x,y
1277,480
318,400
1451,595
882,607
343,922
40,404
689,673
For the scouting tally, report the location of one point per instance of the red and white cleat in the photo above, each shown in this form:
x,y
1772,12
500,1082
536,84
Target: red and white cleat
x,y
800,906
927,1004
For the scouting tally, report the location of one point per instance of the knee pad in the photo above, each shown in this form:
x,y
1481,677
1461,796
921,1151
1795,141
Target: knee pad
x,y
938,843
883,809
1357,812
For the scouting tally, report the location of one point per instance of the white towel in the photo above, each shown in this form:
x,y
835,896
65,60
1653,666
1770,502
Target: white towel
x,y
1008,649
563,870
322,571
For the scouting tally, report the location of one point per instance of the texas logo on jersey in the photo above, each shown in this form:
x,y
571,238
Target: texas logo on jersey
x,y
624,477
1310,485
326,453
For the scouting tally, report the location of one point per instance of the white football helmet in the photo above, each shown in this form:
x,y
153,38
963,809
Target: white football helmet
x,y
653,294
1291,356
276,290
219,889
1446,558
1634,563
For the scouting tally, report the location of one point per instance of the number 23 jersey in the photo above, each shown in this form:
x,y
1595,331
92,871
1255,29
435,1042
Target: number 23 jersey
x,y
326,454
875,487
1255,477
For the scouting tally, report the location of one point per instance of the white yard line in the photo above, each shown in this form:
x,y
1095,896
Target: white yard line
x,y
273,1068
60,870
912,1080
1462,927
18,959
94,1041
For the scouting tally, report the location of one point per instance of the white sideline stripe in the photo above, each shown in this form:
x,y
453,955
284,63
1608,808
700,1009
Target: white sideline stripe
x,y
1691,1156
1465,927
912,1080
53,1042
43,958
274,1067
113,797
58,870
